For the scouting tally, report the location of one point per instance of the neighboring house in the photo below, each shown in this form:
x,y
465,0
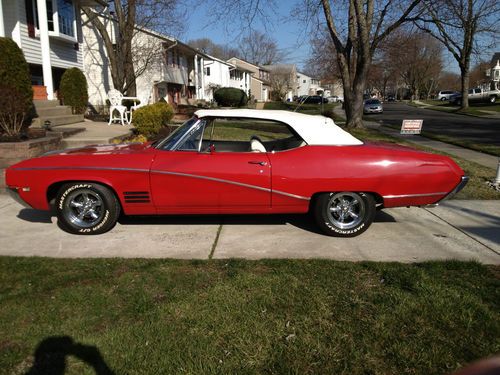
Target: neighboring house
x,y
308,85
166,68
49,32
259,78
333,87
283,78
494,72
240,78
216,75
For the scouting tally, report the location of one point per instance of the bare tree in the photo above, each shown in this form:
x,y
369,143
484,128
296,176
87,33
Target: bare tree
x,y
120,22
221,51
356,28
260,49
477,75
456,24
282,81
418,64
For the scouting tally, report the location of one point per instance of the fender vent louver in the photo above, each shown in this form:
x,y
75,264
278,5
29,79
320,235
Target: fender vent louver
x,y
136,196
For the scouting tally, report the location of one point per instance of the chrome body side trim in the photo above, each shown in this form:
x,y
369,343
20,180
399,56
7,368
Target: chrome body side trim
x,y
170,173
83,168
413,195
232,183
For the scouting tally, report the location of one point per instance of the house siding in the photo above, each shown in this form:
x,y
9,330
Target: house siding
x,y
62,54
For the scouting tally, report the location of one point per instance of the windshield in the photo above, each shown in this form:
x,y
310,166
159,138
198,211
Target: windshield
x,y
174,137
372,101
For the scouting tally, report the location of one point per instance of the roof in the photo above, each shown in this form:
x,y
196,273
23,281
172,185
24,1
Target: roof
x,y
495,58
315,130
249,63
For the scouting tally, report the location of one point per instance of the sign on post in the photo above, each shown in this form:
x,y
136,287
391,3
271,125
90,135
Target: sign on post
x,y
411,126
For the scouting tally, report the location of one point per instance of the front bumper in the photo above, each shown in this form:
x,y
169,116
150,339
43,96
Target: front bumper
x,y
460,186
373,110
14,193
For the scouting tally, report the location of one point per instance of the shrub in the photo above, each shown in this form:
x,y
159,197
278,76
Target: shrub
x,y
150,119
230,97
16,94
73,90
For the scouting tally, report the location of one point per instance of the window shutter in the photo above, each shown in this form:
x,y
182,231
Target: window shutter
x,y
30,20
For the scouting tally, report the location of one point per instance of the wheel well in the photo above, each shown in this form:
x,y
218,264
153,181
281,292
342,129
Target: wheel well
x,y
379,201
54,188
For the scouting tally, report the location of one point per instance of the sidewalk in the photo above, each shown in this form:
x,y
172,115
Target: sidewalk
x,y
486,160
95,133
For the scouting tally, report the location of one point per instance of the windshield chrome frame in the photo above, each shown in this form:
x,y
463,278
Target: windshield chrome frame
x,y
159,146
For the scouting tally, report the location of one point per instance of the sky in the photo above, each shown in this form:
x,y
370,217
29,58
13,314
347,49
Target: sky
x,y
289,33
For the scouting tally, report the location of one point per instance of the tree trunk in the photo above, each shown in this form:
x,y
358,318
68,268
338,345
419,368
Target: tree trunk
x,y
354,106
465,87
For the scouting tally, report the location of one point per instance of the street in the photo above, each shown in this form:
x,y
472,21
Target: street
x,y
480,130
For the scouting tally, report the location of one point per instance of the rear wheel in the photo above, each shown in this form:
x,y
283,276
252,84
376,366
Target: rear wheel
x,y
86,208
493,99
344,214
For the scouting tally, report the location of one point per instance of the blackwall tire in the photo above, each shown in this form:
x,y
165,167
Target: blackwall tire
x,y
344,214
493,99
86,208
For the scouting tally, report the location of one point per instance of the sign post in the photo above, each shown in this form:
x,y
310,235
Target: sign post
x,y
411,126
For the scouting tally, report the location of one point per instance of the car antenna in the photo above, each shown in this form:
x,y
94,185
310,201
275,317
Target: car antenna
x,y
300,103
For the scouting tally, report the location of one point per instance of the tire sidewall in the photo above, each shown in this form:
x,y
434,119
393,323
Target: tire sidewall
x,y
108,219
331,229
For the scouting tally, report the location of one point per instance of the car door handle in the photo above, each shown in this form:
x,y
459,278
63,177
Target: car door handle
x,y
257,162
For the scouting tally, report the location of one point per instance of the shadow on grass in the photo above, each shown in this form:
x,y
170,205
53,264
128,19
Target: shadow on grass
x,y
51,353
301,221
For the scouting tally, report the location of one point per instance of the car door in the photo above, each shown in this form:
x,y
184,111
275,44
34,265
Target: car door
x,y
188,180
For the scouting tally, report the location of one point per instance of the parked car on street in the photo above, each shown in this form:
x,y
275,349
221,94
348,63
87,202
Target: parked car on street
x,y
236,162
373,106
477,95
313,99
335,99
391,98
445,95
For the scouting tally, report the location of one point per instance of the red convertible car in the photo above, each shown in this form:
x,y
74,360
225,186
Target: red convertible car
x,y
234,162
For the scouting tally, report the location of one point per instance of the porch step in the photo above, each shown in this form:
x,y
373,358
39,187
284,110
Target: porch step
x,y
57,120
60,110
45,103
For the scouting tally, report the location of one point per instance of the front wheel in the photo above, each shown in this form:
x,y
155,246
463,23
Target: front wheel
x,y
86,208
344,214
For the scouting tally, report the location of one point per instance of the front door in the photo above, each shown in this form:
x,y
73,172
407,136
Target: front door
x,y
191,179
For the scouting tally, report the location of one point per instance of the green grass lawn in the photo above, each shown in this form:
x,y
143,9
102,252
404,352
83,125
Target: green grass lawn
x,y
134,316
476,188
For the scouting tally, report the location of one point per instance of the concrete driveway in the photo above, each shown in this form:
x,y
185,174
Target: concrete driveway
x,y
461,230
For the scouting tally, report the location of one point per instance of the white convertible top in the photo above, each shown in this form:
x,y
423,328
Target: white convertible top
x,y
315,130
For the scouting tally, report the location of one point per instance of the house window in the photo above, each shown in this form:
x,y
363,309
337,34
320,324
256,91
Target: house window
x,y
304,81
65,10
236,74
208,71
66,17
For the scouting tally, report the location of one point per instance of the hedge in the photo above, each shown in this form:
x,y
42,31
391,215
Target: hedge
x,y
73,90
16,93
150,119
230,97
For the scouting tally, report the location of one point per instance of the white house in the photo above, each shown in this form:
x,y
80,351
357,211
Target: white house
x,y
308,85
49,33
166,68
240,78
259,78
216,75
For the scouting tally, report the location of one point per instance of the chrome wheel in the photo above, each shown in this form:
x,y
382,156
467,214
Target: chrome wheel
x,y
84,208
346,210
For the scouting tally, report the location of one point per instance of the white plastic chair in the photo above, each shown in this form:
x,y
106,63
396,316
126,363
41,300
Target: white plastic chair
x,y
138,103
115,98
